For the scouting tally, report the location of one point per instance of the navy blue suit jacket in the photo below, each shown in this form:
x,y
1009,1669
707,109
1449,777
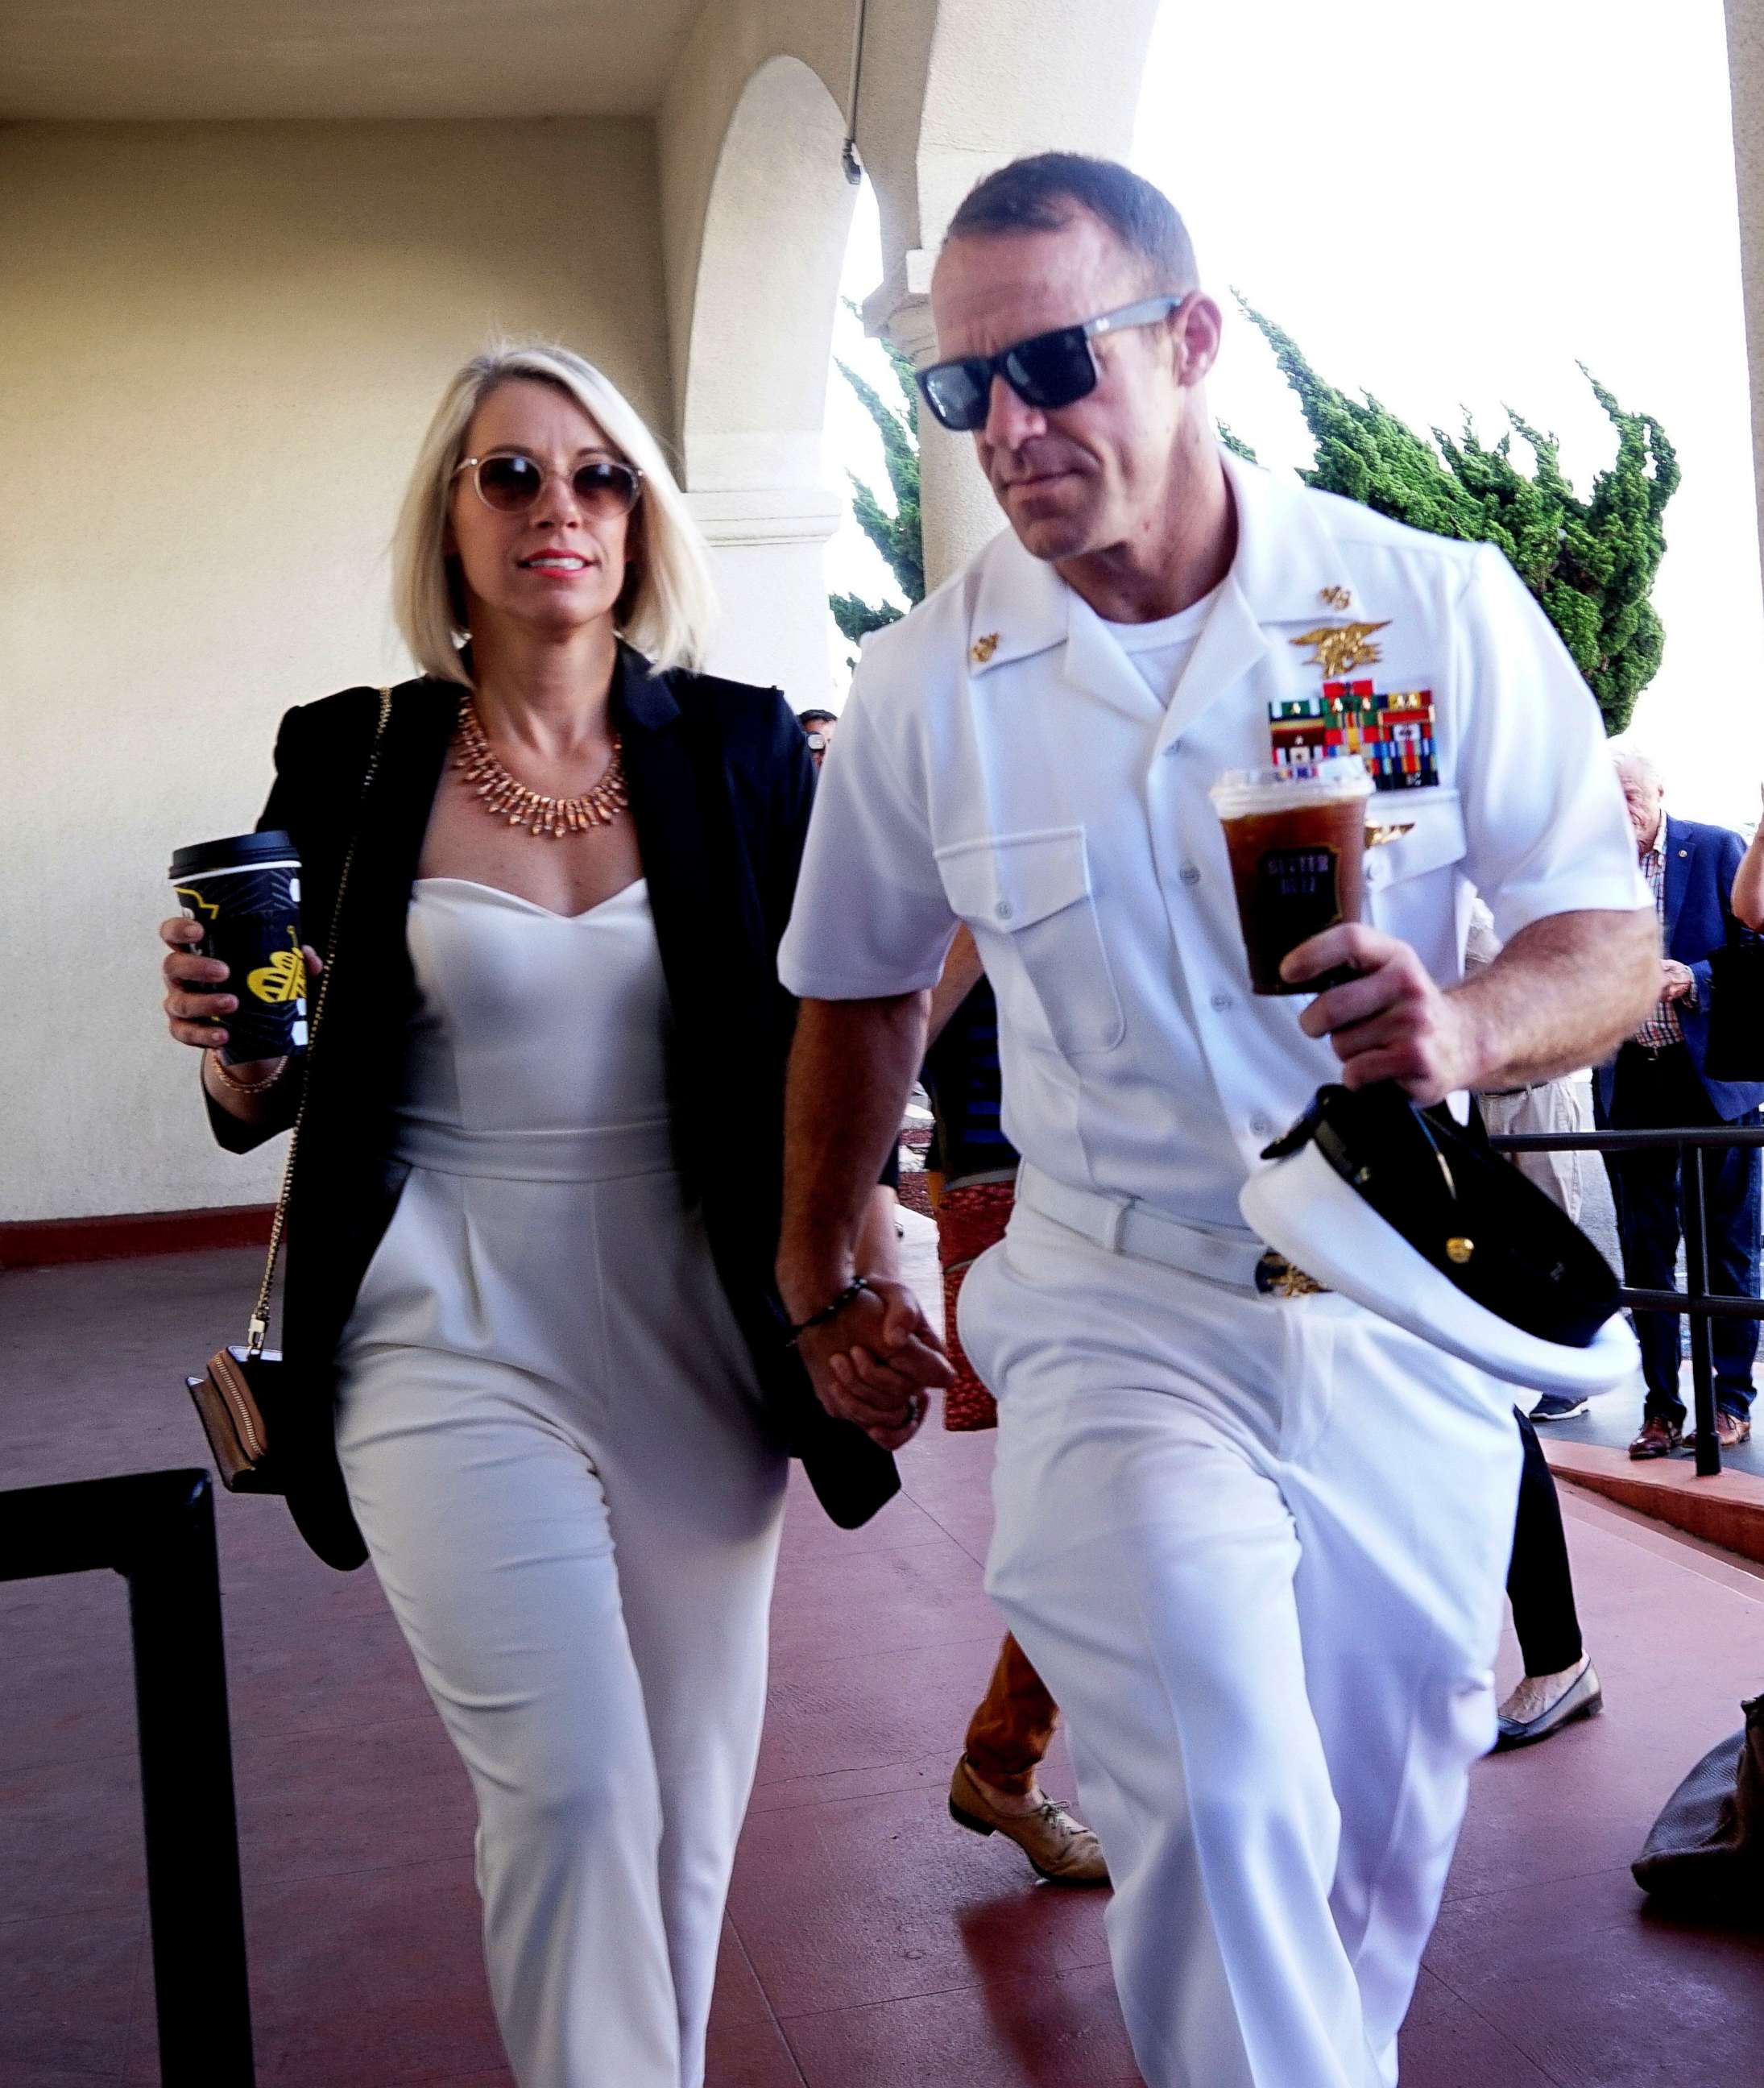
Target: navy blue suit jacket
x,y
1699,864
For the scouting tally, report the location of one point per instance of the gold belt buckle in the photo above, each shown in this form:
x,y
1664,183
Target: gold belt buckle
x,y
1276,1277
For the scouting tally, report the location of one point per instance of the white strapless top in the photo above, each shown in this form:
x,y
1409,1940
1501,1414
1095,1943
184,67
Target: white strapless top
x,y
531,1023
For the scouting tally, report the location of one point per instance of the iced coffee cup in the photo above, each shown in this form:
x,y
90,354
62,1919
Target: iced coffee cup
x,y
245,892
1296,837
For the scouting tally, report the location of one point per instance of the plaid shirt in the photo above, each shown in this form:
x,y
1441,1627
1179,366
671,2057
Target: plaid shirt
x,y
1662,1026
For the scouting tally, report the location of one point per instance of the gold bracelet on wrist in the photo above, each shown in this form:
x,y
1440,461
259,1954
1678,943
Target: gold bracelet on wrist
x,y
247,1087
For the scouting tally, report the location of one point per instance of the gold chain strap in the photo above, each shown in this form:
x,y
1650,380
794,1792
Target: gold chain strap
x,y
260,1315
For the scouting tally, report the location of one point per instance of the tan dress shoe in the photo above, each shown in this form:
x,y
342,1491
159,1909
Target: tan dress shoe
x,y
1731,1429
1060,1849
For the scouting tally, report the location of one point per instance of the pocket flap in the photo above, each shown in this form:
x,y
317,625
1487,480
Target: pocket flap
x,y
1435,837
1010,881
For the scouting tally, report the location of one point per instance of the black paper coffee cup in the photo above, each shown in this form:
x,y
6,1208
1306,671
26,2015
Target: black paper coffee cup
x,y
245,892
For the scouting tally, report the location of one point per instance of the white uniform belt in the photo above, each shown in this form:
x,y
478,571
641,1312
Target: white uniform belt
x,y
1122,1225
599,1153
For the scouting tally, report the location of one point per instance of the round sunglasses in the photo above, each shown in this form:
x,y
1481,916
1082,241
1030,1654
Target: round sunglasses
x,y
1048,370
511,481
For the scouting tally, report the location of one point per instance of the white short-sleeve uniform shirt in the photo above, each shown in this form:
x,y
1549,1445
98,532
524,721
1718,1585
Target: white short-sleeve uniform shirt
x,y
1004,761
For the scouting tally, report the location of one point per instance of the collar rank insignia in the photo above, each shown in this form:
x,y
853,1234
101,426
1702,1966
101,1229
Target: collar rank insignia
x,y
984,647
1391,731
1341,647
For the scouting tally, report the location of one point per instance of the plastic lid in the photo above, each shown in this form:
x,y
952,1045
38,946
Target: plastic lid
x,y
1245,792
237,852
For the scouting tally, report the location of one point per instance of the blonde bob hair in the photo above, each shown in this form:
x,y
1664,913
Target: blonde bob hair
x,y
666,606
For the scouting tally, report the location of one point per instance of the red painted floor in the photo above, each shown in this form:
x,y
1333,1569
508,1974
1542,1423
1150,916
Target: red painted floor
x,y
870,1943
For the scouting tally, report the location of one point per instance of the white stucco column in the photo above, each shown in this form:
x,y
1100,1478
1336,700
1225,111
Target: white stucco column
x,y
767,547
961,87
1745,81
957,511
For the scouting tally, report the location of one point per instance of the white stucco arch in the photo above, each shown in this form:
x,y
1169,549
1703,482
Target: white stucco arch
x,y
753,388
755,233
773,245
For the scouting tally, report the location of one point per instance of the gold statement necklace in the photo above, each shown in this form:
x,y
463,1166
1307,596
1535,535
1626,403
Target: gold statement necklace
x,y
505,796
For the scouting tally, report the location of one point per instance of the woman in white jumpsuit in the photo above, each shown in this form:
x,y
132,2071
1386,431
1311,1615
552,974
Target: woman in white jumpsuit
x,y
534,1261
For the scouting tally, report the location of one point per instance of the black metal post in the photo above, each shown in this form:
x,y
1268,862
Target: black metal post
x,y
1702,1373
156,1529
187,1803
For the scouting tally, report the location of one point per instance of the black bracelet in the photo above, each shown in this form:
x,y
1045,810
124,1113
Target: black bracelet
x,y
831,1310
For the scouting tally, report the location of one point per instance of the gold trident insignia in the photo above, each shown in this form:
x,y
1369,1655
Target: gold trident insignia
x,y
1341,647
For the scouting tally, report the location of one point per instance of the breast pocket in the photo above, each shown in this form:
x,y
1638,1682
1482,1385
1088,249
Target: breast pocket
x,y
1028,899
1410,877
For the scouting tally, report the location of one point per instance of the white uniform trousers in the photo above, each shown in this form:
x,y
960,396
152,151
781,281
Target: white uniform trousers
x,y
552,1441
1256,1547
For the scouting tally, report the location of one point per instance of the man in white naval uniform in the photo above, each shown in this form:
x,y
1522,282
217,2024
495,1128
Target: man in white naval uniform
x,y
1255,1542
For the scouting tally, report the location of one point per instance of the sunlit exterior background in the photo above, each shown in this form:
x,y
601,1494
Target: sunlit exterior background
x,y
1453,209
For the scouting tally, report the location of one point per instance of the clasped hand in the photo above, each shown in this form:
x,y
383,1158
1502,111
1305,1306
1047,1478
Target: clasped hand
x,y
876,1362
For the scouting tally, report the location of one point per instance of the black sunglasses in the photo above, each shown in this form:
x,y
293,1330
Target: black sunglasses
x,y
1048,370
510,481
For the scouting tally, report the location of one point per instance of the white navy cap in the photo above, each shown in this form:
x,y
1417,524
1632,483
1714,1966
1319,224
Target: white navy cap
x,y
1424,1224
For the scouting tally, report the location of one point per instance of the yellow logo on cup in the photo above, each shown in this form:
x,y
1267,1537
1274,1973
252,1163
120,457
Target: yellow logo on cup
x,y
283,978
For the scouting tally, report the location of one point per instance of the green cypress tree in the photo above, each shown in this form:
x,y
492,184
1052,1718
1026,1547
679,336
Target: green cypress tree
x,y
898,537
1591,564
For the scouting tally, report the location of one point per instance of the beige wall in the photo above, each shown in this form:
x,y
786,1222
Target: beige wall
x,y
219,345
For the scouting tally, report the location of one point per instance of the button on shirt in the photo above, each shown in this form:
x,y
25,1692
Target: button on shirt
x,y
1662,1027
1001,760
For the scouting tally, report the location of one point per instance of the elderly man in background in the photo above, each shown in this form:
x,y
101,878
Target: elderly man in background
x,y
1657,1080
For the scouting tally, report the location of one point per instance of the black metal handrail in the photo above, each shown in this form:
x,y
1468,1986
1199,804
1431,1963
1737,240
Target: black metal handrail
x,y
156,1529
1696,1301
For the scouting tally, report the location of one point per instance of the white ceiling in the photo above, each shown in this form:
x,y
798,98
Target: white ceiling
x,y
160,60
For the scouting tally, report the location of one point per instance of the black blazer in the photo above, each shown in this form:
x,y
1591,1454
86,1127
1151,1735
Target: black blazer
x,y
720,783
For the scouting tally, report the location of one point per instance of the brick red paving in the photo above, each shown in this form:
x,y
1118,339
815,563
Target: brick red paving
x,y
871,1943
